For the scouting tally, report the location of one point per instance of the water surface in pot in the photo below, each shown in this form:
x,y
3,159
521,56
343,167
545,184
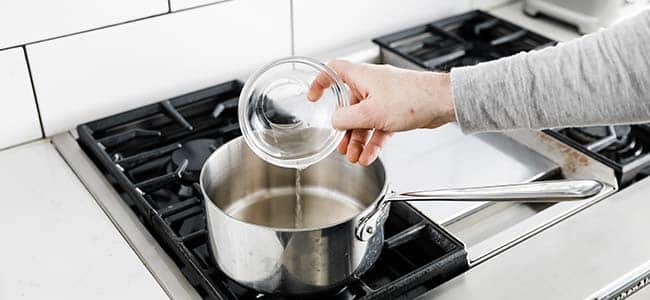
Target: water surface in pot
x,y
276,208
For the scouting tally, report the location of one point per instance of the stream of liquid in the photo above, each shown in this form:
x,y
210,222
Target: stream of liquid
x,y
292,144
298,211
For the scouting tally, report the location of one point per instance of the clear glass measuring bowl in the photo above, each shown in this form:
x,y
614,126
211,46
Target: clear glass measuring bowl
x,y
279,123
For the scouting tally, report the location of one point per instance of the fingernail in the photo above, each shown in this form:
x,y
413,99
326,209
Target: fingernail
x,y
366,160
353,155
312,96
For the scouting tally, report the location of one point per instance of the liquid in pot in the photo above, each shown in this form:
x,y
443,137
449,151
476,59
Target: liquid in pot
x,y
277,208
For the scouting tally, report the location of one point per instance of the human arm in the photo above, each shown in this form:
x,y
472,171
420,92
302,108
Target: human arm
x,y
603,78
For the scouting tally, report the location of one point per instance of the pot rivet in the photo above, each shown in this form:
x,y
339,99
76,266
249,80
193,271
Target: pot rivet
x,y
370,230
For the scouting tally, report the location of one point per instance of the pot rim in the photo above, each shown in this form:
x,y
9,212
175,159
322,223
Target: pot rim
x,y
363,213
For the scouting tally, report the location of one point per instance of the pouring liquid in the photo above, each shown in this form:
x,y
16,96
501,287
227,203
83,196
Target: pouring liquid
x,y
296,142
298,210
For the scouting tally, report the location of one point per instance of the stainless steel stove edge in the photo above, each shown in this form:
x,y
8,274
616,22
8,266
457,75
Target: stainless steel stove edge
x,y
626,285
152,255
574,165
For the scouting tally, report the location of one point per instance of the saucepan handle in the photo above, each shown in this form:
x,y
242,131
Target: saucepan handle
x,y
539,191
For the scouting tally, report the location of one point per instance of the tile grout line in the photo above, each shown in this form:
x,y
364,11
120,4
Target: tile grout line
x,y
293,39
31,80
217,2
201,6
84,31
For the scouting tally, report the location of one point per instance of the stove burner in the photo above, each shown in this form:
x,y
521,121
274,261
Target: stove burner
x,y
624,148
588,135
196,152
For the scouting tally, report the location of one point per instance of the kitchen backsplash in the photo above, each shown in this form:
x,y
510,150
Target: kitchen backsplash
x,y
67,62
18,115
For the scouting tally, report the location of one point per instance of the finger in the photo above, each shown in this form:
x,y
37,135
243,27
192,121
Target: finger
x,y
347,71
318,86
358,139
343,145
373,147
355,97
355,116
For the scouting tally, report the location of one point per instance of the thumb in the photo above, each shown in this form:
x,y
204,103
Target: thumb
x,y
356,116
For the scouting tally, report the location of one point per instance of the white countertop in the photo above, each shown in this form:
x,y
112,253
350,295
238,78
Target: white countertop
x,y
56,241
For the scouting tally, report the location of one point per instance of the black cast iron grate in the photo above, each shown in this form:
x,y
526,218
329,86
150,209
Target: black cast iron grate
x,y
461,40
139,153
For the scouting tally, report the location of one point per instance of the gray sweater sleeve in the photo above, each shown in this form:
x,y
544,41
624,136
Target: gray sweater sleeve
x,y
602,78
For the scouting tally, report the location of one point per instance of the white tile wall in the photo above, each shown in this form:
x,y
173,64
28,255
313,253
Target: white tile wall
x,y
183,4
320,25
18,116
23,21
85,76
95,74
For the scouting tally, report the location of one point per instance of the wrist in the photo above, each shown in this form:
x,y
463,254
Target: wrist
x,y
446,98
441,100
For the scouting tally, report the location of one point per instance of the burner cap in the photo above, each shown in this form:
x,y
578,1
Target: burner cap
x,y
586,135
623,150
602,131
196,152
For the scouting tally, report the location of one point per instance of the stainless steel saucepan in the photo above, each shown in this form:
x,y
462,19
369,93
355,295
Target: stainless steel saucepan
x,y
257,239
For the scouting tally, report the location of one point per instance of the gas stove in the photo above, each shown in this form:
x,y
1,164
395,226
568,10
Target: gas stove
x,y
153,157
141,167
477,36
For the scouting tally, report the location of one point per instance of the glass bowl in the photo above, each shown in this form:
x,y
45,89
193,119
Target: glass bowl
x,y
279,123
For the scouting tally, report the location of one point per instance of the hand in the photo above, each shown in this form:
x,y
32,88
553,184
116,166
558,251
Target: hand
x,y
384,100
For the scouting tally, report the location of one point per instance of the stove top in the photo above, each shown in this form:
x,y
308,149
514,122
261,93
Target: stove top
x,y
462,40
624,148
477,36
153,155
